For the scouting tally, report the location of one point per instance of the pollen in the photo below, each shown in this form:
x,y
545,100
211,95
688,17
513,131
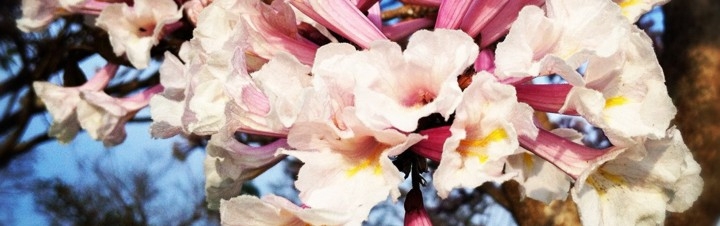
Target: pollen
x,y
477,147
602,181
371,161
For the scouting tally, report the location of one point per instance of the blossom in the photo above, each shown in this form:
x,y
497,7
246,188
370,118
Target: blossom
x,y
412,84
134,30
484,134
625,93
104,117
37,14
625,191
356,169
560,40
62,102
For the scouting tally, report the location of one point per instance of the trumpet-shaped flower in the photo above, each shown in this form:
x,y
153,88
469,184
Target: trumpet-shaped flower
x,y
37,14
484,134
104,117
248,210
356,169
134,30
62,102
411,85
625,94
626,191
561,40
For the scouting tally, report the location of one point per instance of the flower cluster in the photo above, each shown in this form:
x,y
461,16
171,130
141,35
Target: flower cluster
x,y
346,94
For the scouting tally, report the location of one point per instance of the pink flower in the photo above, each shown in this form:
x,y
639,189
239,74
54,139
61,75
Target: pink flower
x,y
104,117
37,14
62,102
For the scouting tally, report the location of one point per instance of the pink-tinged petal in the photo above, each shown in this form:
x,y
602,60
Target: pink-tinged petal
x,y
451,13
101,78
37,14
500,24
374,14
364,5
485,61
233,163
62,102
342,17
103,117
415,213
140,100
541,180
194,7
273,29
546,97
479,14
405,28
432,147
572,158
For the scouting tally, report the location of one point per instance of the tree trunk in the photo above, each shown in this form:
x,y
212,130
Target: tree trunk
x,y
692,65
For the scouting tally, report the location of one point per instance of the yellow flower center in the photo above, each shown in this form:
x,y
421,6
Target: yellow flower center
x,y
370,161
615,101
477,147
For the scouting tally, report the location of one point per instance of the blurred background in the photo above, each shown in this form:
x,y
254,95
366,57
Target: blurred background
x,y
161,182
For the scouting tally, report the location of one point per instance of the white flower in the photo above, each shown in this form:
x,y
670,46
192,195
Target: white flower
x,y
62,102
626,191
104,117
624,94
356,170
561,41
410,85
484,134
134,30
